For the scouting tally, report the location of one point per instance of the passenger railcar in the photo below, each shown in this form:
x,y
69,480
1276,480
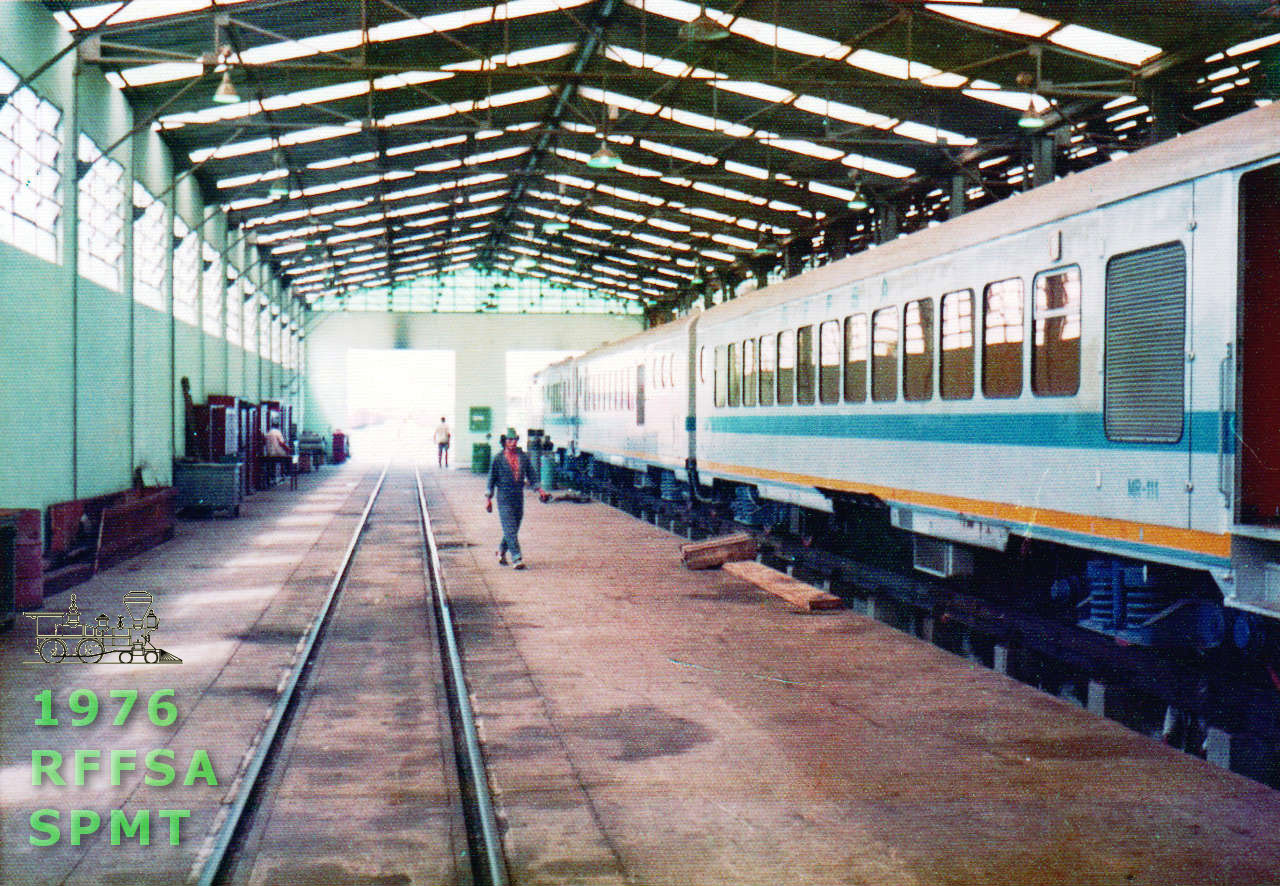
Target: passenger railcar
x,y
1087,368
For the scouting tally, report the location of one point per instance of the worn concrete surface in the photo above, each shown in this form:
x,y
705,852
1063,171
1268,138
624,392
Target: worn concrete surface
x,y
646,724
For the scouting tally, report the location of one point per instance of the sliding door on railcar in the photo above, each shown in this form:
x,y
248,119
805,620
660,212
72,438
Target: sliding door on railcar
x,y
1258,451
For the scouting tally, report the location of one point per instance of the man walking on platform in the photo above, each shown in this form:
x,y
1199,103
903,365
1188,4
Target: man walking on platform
x,y
442,437
509,472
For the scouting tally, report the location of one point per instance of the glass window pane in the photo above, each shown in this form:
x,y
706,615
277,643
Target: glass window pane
x,y
735,376
1002,338
829,361
749,372
786,367
955,376
1055,342
722,380
805,365
768,354
855,358
884,355
917,350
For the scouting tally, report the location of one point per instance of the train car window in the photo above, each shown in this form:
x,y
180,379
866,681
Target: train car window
x,y
721,373
1002,338
749,372
855,358
1144,363
955,362
1055,333
884,355
735,376
702,365
640,373
805,365
917,350
786,367
829,361
671,370
768,354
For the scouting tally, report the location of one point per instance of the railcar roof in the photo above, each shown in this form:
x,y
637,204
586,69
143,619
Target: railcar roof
x,y
1241,140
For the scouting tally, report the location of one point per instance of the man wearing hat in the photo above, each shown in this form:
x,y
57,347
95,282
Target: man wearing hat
x,y
508,473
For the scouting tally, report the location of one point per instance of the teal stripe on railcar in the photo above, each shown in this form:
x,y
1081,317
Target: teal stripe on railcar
x,y
1073,430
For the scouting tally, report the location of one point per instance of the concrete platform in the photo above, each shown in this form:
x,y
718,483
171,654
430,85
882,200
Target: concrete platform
x,y
232,597
647,724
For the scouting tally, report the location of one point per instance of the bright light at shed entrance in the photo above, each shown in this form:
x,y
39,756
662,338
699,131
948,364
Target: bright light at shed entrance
x,y
395,399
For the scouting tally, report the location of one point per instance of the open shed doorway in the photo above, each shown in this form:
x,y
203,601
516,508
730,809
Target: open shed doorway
x,y
395,399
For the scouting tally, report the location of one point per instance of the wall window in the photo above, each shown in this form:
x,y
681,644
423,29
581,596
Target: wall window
x,y
806,353
30,176
768,359
884,355
1002,338
211,291
955,370
235,307
917,350
149,244
186,271
248,304
264,326
749,372
722,374
786,367
855,358
1055,333
702,365
101,215
829,361
735,375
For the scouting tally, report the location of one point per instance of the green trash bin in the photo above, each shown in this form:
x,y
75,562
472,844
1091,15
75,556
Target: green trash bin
x,y
479,458
548,475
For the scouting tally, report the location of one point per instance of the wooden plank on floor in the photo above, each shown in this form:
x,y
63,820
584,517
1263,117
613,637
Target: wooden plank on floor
x,y
713,552
792,590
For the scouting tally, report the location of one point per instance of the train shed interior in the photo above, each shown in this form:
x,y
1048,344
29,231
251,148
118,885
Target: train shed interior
x,y
254,253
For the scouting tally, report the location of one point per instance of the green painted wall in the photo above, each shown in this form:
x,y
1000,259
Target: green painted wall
x,y
89,379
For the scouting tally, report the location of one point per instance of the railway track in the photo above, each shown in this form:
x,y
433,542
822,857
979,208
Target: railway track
x,y
1218,707
455,819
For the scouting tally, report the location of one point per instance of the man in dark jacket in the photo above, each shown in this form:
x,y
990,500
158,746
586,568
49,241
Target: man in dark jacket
x,y
508,473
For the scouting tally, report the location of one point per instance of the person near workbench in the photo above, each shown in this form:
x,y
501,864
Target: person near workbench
x,y
509,473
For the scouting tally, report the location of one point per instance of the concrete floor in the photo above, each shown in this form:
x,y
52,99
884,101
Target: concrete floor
x,y
644,724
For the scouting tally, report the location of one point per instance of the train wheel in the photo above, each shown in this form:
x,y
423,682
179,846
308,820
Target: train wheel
x,y
151,656
53,650
126,657
89,651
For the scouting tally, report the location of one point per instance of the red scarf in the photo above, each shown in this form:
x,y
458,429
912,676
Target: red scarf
x,y
513,459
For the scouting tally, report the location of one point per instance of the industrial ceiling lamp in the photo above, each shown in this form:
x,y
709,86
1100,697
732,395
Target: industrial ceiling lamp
x,y
604,157
703,29
279,186
859,199
554,226
226,93
1031,118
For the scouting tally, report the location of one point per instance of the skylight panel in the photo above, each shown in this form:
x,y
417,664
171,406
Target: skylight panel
x,y
84,17
840,111
832,191
881,167
354,159
1019,101
253,178
520,57
1015,21
615,212
1104,45
801,146
735,242
664,224
762,91
717,255
425,146
783,38
746,169
677,153
666,66
1253,45
931,134
701,121
709,214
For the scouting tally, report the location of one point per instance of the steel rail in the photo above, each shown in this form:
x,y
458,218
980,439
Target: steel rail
x,y
213,865
489,834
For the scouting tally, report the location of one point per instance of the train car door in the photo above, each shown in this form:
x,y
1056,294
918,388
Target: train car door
x,y
1258,395
640,393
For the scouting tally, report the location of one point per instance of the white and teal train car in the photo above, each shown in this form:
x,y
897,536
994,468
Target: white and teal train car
x,y
1090,365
